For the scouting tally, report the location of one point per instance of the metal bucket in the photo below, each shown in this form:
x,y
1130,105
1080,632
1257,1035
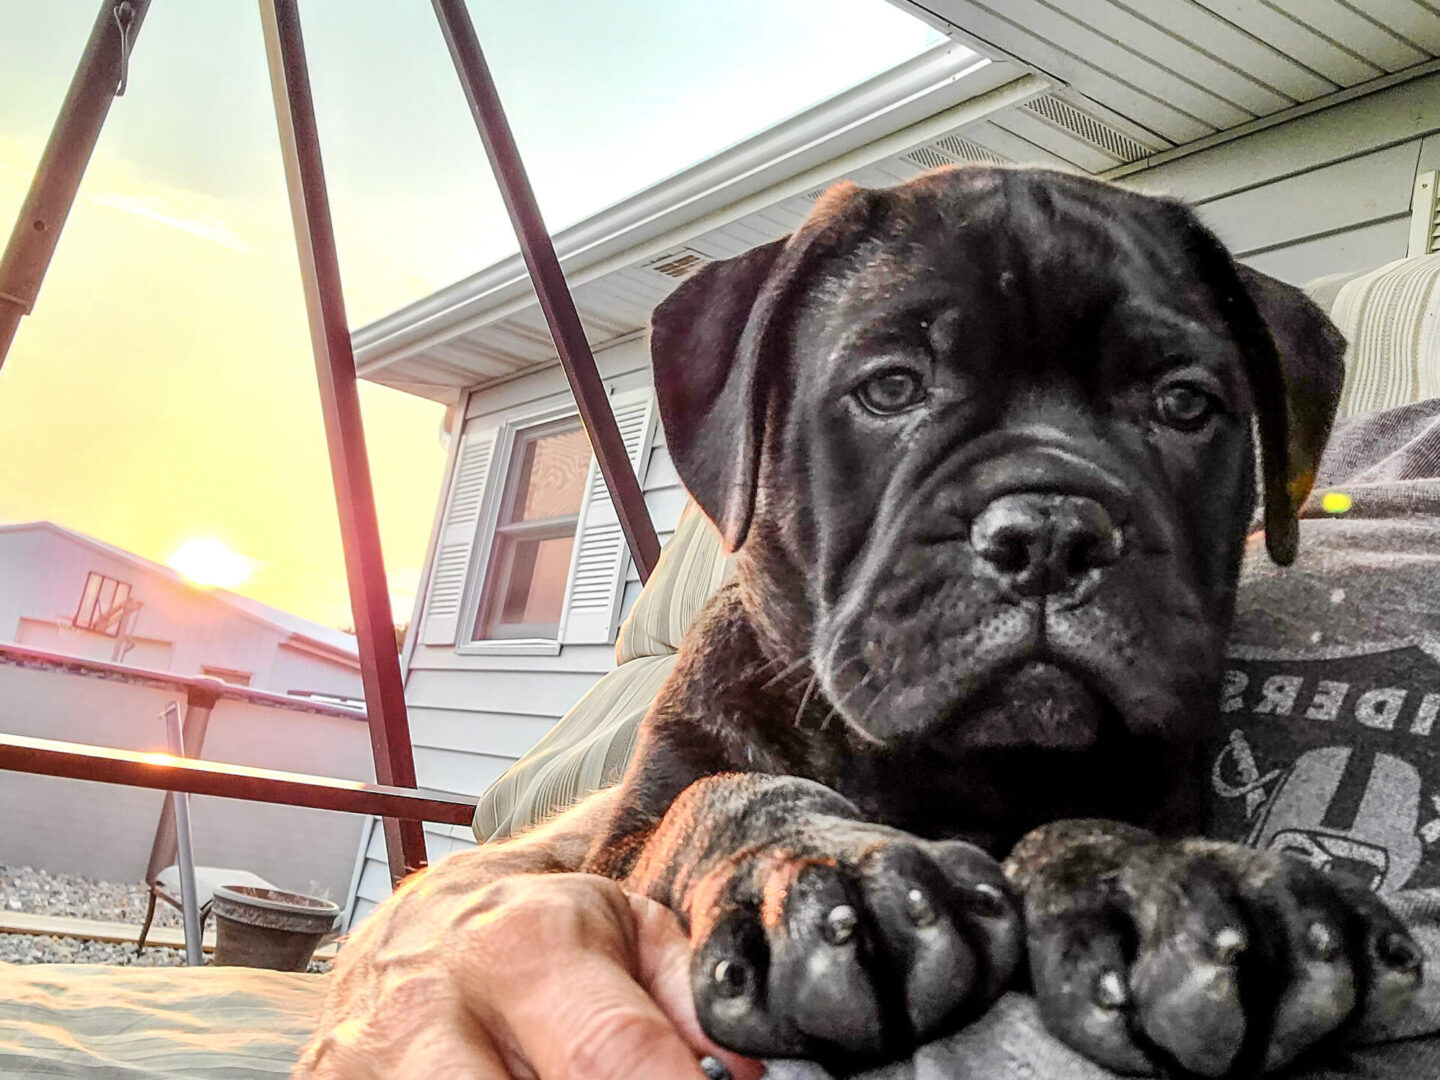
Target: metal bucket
x,y
268,928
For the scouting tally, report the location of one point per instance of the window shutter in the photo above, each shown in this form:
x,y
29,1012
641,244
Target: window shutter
x,y
457,538
597,572
1425,215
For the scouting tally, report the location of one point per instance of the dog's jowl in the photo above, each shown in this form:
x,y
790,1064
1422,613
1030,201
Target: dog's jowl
x,y
983,446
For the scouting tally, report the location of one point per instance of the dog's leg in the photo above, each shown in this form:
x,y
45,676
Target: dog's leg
x,y
816,934
1149,955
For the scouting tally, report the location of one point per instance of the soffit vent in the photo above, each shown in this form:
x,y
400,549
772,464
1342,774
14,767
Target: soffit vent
x,y
952,150
1087,128
679,264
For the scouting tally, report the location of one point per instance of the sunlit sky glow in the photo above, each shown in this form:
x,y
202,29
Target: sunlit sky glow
x,y
164,391
207,561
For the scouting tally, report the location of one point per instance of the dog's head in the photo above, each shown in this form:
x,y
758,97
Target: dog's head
x,y
984,444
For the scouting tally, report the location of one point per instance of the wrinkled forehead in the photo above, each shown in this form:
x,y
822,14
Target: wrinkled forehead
x,y
1009,245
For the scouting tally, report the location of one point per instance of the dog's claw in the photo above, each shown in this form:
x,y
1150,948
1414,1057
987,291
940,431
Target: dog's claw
x,y
1396,950
1111,991
730,977
1230,942
840,924
919,908
1321,942
988,900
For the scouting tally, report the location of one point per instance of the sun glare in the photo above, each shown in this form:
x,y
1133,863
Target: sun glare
x,y
212,563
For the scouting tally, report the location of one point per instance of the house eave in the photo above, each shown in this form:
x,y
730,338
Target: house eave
x,y
931,82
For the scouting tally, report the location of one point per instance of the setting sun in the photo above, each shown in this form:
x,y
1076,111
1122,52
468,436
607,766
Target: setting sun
x,y
211,562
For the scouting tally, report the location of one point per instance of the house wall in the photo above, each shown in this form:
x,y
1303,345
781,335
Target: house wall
x,y
179,629
472,716
106,830
1325,193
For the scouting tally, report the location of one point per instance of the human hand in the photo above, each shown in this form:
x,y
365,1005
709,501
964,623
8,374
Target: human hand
x,y
543,976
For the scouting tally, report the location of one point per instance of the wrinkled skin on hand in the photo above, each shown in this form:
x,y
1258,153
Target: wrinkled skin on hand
x,y
483,968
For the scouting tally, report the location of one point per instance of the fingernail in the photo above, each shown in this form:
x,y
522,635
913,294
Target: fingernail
x,y
919,908
840,924
715,1069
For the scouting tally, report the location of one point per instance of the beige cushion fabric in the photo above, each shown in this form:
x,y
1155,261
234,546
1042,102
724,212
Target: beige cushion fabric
x,y
691,568
1391,318
591,744
107,1023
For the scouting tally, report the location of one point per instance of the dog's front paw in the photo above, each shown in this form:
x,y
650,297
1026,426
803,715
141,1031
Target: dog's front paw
x,y
844,942
1200,957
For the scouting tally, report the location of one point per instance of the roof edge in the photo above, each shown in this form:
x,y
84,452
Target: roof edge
x,y
863,113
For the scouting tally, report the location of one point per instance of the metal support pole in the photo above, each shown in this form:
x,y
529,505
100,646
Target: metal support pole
x,y
97,82
549,280
340,403
180,801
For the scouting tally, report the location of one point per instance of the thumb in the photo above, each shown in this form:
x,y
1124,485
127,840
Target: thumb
x,y
663,969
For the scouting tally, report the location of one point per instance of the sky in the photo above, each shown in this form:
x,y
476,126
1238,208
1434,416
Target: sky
x,y
163,391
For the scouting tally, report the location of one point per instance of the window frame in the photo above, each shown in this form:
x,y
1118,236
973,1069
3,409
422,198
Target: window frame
x,y
94,603
499,490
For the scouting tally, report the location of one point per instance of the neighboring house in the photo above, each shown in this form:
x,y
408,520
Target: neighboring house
x,y
63,592
1304,155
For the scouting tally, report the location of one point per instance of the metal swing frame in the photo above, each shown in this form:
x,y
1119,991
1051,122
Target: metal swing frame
x,y
100,77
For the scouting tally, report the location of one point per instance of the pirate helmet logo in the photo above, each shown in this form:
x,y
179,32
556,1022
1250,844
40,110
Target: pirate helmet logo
x,y
1379,847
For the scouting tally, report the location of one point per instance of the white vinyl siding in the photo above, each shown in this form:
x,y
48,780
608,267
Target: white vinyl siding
x,y
1328,193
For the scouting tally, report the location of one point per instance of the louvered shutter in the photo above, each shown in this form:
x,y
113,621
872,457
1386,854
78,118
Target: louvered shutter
x,y
597,572
457,538
1425,215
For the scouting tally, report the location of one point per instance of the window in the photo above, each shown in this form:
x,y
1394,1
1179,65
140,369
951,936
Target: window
x,y
102,604
534,537
224,674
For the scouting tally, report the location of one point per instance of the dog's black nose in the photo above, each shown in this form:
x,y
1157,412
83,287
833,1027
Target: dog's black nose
x,y
1046,545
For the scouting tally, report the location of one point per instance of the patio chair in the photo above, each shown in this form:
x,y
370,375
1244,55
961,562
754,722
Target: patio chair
x,y
188,888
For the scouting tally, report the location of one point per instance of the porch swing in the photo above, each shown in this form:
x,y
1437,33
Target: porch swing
x,y
101,76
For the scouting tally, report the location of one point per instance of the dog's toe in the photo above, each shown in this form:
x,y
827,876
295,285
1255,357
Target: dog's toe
x,y
863,955
1204,959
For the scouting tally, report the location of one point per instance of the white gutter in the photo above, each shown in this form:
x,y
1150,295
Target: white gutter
x,y
934,81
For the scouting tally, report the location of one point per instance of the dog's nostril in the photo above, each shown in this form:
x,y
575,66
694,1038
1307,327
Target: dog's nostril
x,y
1009,552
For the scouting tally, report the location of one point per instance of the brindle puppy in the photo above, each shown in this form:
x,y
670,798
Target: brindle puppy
x,y
983,445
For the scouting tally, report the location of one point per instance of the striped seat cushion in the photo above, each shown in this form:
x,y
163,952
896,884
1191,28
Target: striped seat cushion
x,y
1391,318
106,1023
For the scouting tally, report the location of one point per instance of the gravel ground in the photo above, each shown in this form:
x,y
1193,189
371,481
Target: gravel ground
x,y
39,892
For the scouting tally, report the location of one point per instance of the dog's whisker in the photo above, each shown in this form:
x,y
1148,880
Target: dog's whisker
x,y
805,697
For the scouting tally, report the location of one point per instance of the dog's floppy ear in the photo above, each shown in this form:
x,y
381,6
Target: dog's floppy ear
x,y
1300,410
1295,359
715,344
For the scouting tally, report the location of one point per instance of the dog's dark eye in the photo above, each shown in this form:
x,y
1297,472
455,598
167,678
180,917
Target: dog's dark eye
x,y
891,391
1184,406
